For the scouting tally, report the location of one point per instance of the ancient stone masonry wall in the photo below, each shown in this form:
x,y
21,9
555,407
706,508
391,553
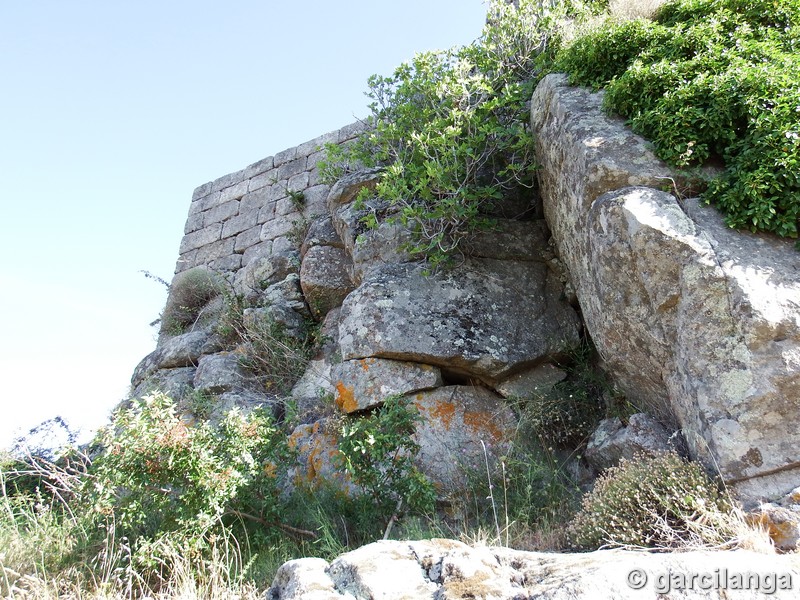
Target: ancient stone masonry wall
x,y
238,216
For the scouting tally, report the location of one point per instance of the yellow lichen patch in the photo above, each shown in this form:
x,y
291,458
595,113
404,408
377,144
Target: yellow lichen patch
x,y
481,422
443,412
345,399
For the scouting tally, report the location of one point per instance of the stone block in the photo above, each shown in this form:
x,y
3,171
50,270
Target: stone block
x,y
200,238
214,251
263,180
266,213
220,213
253,201
201,191
247,238
185,261
256,251
193,223
229,263
297,182
293,167
279,227
366,383
325,278
227,181
239,223
284,156
259,167
234,192
286,206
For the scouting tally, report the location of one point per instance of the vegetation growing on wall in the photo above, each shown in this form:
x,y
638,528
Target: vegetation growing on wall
x,y
711,79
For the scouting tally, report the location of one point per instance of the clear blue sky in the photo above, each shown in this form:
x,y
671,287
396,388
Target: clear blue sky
x,y
111,113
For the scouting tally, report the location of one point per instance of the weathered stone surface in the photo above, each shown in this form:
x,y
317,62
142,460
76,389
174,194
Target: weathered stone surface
x,y
286,293
509,240
325,278
318,459
782,524
321,232
258,321
313,393
446,569
467,318
222,372
347,188
175,383
612,441
695,321
531,382
179,351
261,272
306,579
457,423
245,402
366,383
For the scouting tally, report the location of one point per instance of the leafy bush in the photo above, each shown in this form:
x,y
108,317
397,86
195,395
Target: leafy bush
x,y
157,475
711,79
378,451
450,128
654,502
189,293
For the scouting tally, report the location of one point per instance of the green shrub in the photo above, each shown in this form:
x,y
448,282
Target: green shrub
x,y
654,502
378,451
711,79
450,130
157,475
189,293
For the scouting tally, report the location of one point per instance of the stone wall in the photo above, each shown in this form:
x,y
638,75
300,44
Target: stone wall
x,y
238,216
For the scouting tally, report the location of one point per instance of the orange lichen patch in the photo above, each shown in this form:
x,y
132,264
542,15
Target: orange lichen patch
x,y
271,470
443,412
483,422
345,399
366,362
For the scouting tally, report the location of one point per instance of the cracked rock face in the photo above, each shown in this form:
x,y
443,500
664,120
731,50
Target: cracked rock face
x,y
485,317
697,322
447,569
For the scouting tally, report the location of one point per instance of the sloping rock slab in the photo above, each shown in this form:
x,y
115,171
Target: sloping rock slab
x,y
449,570
697,322
485,317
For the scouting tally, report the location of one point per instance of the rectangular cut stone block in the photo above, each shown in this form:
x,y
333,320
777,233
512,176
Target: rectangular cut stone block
x,y
193,223
227,180
227,263
203,190
234,192
352,131
220,213
285,206
203,237
256,251
315,198
312,146
185,261
239,223
297,182
210,201
284,156
254,201
263,180
218,249
263,165
248,238
278,227
267,213
287,170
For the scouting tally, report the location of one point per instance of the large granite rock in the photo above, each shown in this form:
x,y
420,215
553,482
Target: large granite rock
x,y
485,318
462,427
695,321
366,383
447,569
